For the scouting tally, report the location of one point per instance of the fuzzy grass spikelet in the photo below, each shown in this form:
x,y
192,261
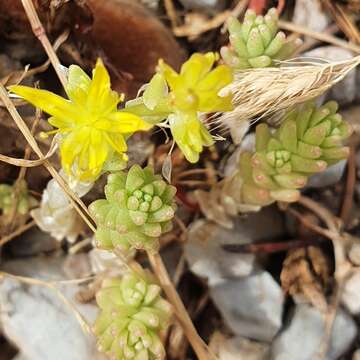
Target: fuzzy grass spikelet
x,y
138,208
133,314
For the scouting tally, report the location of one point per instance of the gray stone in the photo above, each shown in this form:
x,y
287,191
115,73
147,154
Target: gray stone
x,y
207,5
35,319
252,306
33,242
239,348
308,13
350,296
331,176
302,339
343,92
207,258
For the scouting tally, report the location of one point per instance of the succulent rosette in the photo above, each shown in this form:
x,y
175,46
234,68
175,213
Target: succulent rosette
x,y
138,208
308,140
133,314
256,42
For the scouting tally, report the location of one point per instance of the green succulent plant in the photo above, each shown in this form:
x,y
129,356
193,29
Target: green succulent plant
x,y
24,201
138,208
133,314
256,42
308,140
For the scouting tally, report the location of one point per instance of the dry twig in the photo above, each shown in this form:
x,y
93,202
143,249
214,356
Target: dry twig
x,y
320,36
195,30
349,188
39,32
5,239
199,346
343,20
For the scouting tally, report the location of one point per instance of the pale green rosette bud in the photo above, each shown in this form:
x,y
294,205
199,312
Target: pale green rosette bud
x,y
133,314
256,42
9,197
138,208
308,140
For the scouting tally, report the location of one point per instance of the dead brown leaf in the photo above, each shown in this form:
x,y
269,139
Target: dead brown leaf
x,y
306,274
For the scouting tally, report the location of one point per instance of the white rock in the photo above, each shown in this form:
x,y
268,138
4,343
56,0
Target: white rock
x,y
239,348
56,214
37,321
350,296
331,176
252,307
207,258
103,260
343,92
202,4
151,4
302,339
354,253
308,13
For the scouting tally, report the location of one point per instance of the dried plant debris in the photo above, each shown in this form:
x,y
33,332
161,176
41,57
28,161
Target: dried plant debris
x,y
306,276
263,91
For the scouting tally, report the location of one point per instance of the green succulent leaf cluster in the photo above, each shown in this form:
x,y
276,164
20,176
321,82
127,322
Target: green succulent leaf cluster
x,y
138,208
256,42
309,139
9,197
133,313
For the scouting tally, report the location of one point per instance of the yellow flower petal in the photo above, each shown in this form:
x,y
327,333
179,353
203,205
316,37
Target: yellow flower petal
x,y
190,134
216,79
50,103
211,102
71,146
100,96
123,123
170,75
197,67
117,142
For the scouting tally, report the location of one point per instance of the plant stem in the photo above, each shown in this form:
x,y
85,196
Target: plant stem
x,y
39,32
201,349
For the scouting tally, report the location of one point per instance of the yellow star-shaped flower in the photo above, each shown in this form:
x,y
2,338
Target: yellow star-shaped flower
x,y
92,130
183,97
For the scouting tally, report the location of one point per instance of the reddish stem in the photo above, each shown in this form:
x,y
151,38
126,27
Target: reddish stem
x,y
269,248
